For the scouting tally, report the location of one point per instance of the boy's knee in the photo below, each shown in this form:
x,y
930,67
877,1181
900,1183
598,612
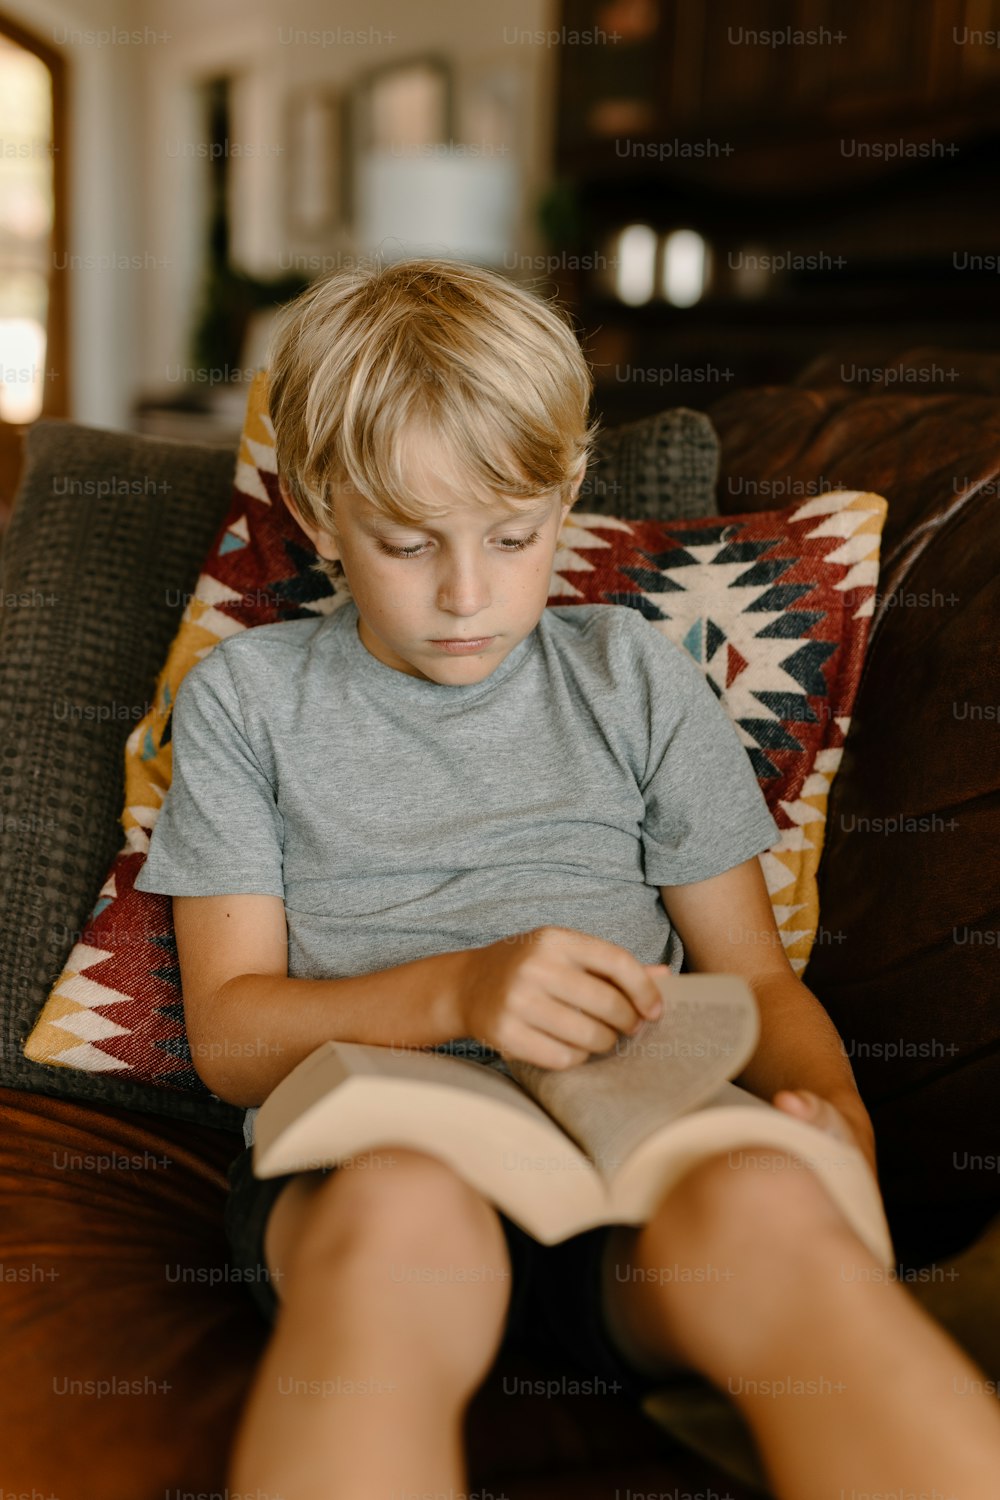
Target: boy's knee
x,y
753,1194
399,1224
398,1199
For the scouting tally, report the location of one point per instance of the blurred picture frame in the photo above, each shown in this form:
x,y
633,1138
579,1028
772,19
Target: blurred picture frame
x,y
404,105
493,104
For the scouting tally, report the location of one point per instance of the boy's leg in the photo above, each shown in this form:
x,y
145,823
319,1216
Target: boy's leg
x,y
394,1283
847,1384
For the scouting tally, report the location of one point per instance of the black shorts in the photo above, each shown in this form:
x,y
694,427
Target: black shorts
x,y
555,1303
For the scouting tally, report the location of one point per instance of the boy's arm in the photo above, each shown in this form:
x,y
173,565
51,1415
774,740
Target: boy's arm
x,y
727,926
249,1024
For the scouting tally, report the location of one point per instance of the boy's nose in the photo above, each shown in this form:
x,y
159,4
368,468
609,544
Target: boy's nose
x,y
463,589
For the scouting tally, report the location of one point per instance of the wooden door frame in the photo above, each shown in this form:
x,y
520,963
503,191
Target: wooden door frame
x,y
55,393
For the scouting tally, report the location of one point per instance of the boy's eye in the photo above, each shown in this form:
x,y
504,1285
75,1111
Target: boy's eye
x,y
507,544
398,551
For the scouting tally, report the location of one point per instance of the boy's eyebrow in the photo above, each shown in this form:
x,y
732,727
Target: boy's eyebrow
x,y
369,521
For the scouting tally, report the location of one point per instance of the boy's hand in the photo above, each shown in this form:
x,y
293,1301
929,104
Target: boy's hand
x,y
846,1123
553,996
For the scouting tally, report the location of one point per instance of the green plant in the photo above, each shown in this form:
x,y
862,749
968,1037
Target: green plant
x,y
227,301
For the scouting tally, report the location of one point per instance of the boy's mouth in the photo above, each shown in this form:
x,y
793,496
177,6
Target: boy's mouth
x,y
460,644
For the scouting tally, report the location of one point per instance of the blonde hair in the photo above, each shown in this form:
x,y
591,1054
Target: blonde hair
x,y
492,370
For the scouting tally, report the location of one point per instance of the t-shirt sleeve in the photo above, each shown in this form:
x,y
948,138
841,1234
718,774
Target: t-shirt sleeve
x,y
705,811
219,830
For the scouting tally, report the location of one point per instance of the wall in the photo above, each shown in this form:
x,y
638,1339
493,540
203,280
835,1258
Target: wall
x,y
138,204
260,43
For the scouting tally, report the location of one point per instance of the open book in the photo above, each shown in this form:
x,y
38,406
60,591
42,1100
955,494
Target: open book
x,y
562,1150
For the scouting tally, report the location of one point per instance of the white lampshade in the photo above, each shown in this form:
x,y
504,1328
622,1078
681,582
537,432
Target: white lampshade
x,y
442,202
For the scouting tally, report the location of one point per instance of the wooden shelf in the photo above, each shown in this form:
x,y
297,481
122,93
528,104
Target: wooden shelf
x,y
876,150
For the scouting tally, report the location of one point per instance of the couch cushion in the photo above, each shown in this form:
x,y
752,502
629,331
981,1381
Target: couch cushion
x,y
664,465
112,530
130,1343
106,538
775,611
910,875
115,1269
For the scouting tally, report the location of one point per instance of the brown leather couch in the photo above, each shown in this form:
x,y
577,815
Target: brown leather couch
x,y
918,901
108,1273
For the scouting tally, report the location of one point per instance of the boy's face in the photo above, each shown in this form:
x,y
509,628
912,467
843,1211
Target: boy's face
x,y
463,577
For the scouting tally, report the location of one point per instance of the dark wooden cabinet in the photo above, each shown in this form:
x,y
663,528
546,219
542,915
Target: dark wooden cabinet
x,y
857,141
645,69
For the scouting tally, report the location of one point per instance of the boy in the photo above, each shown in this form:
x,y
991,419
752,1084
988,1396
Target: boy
x,y
494,822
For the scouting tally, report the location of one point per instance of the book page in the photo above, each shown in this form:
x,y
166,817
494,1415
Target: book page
x,y
609,1104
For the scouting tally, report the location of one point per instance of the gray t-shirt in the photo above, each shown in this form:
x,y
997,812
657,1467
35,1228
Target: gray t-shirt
x,y
399,817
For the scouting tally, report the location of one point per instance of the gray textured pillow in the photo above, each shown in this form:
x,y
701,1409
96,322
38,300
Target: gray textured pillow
x,y
662,468
108,537
108,532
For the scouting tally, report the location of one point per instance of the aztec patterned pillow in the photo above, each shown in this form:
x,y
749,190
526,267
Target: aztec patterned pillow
x,y
774,607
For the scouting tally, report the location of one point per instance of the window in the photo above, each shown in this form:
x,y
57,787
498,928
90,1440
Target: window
x,y
32,324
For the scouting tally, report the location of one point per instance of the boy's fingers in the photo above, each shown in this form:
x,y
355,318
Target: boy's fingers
x,y
820,1112
635,980
792,1101
612,962
654,1004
